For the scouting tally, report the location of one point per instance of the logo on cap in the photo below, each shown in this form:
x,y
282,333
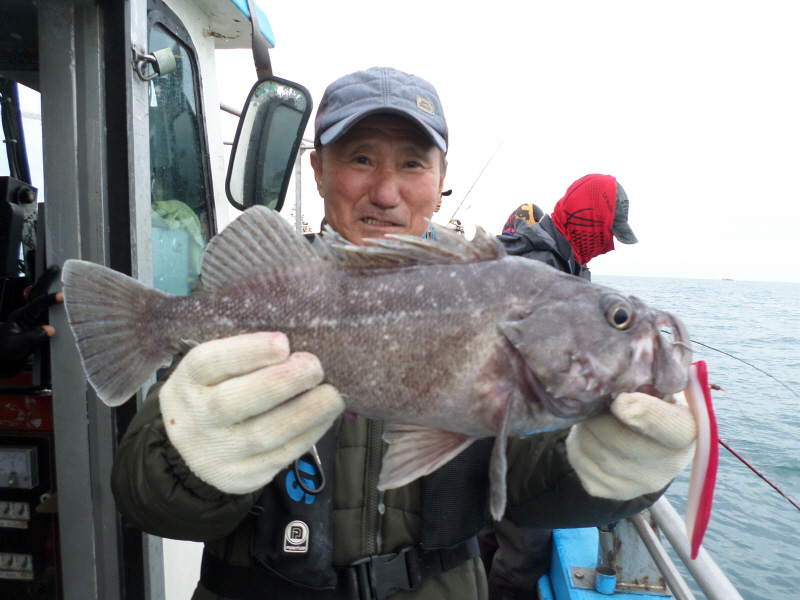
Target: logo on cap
x,y
295,539
425,105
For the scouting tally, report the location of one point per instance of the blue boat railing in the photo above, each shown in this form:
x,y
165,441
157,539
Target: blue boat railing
x,y
714,583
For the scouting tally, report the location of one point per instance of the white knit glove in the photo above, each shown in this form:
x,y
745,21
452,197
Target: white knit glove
x,y
240,409
637,449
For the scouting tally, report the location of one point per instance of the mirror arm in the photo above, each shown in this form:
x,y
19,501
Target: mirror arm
x,y
260,47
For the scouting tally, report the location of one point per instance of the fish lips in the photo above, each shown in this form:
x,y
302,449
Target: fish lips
x,y
674,355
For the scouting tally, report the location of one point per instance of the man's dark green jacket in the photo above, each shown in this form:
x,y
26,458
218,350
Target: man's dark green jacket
x,y
157,492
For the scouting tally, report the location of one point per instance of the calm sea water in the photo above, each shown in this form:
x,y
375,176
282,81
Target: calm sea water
x,y
754,534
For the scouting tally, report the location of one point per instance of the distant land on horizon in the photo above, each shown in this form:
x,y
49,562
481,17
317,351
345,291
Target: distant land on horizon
x,y
595,274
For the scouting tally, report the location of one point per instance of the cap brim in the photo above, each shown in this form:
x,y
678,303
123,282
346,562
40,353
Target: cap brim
x,y
623,233
337,130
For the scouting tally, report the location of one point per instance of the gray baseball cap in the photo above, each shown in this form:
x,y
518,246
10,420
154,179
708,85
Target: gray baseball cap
x,y
379,90
620,228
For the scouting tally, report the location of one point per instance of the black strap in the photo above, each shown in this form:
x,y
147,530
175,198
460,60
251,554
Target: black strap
x,y
370,578
377,577
254,583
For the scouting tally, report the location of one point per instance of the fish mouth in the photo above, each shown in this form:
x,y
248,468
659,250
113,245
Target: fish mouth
x,y
674,355
651,390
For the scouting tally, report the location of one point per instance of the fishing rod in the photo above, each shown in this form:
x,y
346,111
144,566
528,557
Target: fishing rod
x,y
757,472
742,459
476,181
726,446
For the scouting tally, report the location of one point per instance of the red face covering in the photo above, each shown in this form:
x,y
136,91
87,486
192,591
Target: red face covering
x,y
585,216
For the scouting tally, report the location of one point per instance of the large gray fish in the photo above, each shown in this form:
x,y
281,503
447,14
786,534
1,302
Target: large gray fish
x,y
448,341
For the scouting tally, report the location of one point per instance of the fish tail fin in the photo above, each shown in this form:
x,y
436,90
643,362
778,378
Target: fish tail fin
x,y
106,311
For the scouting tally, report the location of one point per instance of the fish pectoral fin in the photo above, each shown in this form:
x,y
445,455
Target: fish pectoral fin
x,y
499,467
415,451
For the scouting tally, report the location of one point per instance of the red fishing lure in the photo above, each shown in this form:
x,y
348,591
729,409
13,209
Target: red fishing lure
x,y
706,457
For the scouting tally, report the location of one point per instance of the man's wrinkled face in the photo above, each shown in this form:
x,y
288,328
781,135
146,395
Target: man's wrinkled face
x,y
383,176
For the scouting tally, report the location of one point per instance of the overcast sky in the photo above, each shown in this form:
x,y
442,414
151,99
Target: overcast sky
x,y
693,106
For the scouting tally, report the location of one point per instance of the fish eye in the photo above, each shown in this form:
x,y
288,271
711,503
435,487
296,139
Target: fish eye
x,y
619,313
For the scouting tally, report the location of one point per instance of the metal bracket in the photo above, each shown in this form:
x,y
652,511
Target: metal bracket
x,y
161,61
259,45
583,578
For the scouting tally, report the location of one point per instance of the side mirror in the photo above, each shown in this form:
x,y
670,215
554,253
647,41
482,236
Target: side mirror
x,y
266,144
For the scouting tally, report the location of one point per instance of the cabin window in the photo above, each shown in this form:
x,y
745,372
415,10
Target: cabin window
x,y
180,188
22,139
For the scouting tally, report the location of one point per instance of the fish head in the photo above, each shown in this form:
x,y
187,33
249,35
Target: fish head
x,y
584,347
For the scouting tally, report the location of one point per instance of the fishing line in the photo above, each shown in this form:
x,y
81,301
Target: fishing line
x,y
476,180
791,391
752,432
746,420
757,472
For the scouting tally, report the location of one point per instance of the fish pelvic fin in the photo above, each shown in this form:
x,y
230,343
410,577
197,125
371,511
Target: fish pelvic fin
x,y
261,241
415,451
105,312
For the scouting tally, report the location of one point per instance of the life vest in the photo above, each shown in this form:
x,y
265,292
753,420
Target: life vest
x,y
292,543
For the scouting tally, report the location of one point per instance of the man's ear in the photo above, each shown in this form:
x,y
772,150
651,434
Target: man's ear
x,y
442,174
316,164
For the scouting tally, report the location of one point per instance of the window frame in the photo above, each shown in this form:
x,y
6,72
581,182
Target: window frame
x,y
158,13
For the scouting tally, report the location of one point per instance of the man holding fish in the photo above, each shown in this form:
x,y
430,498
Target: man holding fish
x,y
219,451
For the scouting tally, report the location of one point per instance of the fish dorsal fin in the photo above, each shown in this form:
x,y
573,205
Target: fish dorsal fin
x,y
415,451
448,247
259,241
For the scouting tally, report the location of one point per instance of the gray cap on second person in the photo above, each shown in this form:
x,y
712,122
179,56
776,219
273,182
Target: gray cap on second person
x,y
379,90
620,228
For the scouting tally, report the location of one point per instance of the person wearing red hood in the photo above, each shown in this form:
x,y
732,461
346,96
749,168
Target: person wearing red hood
x,y
583,225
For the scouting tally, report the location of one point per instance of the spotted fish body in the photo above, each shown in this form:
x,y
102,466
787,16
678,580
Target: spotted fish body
x,y
449,341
